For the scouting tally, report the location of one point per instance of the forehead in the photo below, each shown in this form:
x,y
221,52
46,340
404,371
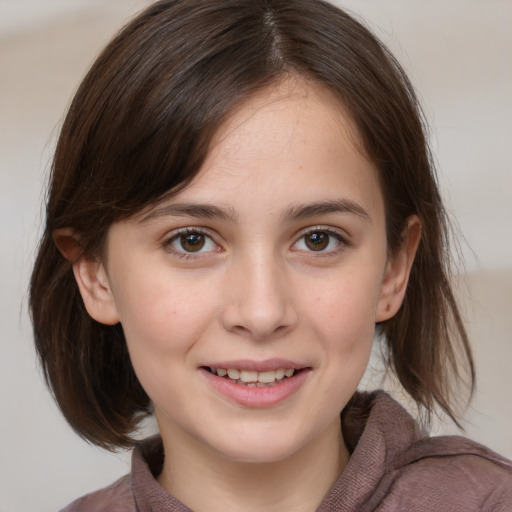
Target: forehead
x,y
293,139
291,144
283,110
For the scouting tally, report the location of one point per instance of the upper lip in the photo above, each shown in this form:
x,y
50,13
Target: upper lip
x,y
257,366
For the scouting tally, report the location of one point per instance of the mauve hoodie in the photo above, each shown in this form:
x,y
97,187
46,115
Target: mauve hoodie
x,y
393,467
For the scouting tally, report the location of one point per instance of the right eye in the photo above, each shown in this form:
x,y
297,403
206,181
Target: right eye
x,y
191,241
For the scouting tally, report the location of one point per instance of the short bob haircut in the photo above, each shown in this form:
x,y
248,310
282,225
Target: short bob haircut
x,y
137,132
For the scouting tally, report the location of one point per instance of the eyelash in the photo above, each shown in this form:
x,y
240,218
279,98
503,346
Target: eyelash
x,y
183,254
331,233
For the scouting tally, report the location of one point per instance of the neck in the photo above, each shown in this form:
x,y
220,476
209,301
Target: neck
x,y
296,484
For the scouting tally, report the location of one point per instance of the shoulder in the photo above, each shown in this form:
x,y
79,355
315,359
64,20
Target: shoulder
x,y
405,469
452,470
117,497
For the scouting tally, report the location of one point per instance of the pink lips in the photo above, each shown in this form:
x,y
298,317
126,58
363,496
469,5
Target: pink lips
x,y
256,397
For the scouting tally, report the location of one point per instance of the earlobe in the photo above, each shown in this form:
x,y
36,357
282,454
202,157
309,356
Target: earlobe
x,y
90,276
397,272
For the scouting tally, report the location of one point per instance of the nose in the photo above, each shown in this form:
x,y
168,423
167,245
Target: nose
x,y
259,299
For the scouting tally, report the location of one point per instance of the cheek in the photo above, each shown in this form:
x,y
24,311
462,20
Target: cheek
x,y
163,316
343,317
347,302
343,320
163,320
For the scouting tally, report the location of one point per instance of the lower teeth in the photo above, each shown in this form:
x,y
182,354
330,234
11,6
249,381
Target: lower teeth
x,y
256,384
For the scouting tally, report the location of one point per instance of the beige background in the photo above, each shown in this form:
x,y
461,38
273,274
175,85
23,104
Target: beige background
x,y
459,55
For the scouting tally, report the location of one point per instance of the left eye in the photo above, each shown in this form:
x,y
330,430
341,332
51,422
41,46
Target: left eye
x,y
318,241
192,242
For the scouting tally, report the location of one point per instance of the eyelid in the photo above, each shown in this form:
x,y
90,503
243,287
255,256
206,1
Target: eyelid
x,y
327,228
174,233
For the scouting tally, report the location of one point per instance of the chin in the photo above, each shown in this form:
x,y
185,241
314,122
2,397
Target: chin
x,y
261,446
258,454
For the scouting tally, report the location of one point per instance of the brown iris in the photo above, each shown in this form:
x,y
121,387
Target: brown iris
x,y
192,242
317,241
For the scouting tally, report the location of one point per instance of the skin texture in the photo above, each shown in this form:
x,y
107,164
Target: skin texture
x,y
256,291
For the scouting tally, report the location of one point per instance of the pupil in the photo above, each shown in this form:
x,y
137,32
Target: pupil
x,y
317,241
192,242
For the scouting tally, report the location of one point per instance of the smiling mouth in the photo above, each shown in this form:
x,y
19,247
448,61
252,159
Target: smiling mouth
x,y
250,378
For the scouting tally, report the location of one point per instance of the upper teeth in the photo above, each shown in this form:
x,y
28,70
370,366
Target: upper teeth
x,y
250,376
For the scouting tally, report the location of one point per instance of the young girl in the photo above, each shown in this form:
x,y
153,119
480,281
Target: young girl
x,y
242,196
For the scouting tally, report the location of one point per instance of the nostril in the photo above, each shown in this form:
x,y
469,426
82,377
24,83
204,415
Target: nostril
x,y
258,318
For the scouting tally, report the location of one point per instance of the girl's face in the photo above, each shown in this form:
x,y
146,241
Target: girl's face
x,y
249,299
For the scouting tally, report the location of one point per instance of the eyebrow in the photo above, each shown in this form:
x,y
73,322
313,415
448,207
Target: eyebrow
x,y
303,211
203,211
295,212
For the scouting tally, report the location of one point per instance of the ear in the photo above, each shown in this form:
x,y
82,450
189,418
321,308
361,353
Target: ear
x,y
91,277
397,272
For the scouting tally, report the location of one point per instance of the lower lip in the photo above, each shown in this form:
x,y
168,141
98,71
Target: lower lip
x,y
253,396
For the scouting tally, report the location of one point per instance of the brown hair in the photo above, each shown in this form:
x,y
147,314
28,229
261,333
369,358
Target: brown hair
x,y
138,130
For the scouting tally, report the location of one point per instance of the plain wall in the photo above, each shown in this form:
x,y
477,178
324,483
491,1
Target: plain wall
x,y
459,56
